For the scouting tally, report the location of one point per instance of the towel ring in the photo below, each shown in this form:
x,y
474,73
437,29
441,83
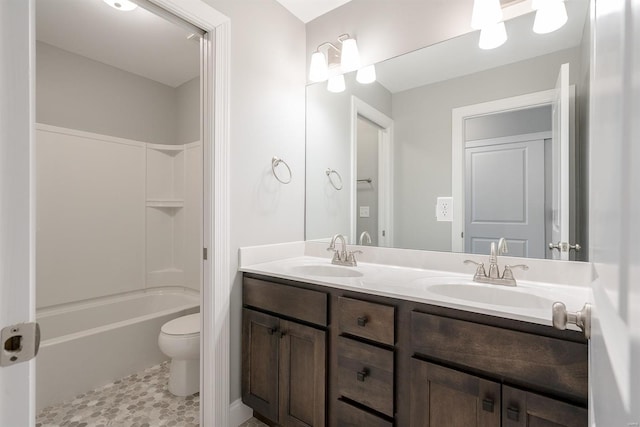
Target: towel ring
x,y
329,172
274,164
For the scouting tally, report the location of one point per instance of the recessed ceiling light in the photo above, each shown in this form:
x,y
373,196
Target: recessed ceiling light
x,y
123,5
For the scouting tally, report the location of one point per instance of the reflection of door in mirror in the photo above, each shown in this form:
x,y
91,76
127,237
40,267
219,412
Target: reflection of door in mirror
x,y
368,141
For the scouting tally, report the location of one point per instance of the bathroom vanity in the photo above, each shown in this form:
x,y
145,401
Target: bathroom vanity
x,y
319,351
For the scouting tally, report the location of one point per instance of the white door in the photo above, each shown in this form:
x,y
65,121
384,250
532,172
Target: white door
x,y
560,164
614,212
504,195
17,279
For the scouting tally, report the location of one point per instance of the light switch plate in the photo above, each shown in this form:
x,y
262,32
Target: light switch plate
x,y
364,211
444,209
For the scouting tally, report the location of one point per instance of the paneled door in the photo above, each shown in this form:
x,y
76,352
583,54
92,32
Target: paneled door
x,y
504,195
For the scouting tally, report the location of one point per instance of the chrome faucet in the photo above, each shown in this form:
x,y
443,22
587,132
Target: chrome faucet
x,y
366,237
494,277
343,257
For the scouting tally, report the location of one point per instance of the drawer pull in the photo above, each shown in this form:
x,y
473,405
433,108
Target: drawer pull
x,y
363,374
283,333
362,321
487,405
272,331
513,413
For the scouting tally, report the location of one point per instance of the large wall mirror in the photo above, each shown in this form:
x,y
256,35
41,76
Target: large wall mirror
x,y
453,147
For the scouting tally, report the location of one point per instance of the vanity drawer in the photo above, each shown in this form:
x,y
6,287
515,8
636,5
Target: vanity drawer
x,y
549,364
297,303
365,374
367,320
350,416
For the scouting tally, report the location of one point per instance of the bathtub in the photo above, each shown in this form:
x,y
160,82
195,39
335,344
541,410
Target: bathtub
x,y
89,344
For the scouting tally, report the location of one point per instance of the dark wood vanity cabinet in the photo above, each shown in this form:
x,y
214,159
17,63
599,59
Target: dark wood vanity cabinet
x,y
284,361
316,356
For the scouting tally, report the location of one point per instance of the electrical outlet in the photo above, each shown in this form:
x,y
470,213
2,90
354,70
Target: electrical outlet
x,y
444,209
364,211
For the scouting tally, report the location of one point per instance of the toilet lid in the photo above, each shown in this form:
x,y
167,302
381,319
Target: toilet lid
x,y
184,325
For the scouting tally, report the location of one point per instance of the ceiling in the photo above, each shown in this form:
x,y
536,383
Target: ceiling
x,y
308,10
139,41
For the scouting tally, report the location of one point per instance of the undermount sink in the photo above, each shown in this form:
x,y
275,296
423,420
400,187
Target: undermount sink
x,y
494,295
325,271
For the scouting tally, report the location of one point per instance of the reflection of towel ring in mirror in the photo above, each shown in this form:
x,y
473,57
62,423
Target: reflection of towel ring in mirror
x,y
329,172
274,164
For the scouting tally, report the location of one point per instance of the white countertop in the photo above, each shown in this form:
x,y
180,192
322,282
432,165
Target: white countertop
x,y
529,301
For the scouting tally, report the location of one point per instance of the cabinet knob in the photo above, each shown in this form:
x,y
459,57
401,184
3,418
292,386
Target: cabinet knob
x,y
283,333
487,405
361,375
513,413
362,320
272,331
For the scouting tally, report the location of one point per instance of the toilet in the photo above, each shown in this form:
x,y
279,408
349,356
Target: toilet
x,y
180,340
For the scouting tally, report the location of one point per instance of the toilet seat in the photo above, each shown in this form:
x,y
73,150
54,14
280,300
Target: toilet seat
x,y
183,326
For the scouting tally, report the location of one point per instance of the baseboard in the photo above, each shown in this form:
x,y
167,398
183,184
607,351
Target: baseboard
x,y
239,413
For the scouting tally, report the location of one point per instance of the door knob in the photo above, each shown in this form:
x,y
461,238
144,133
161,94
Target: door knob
x,y
581,318
565,247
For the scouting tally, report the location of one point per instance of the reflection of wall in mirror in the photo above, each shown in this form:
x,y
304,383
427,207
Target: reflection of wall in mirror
x,y
367,192
329,146
422,118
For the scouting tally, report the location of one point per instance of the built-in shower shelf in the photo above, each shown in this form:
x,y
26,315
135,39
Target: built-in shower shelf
x,y
169,149
165,203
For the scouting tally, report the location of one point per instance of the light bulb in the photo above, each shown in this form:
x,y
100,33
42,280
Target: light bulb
x,y
350,59
336,84
123,5
485,13
493,36
366,75
318,70
550,16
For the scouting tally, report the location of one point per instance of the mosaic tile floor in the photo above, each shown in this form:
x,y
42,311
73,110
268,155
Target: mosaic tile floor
x,y
139,400
254,423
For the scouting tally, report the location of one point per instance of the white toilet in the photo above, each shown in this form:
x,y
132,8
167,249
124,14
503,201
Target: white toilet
x,y
180,340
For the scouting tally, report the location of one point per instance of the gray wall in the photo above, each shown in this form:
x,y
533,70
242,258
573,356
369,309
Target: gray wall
x,y
422,138
267,96
188,110
76,92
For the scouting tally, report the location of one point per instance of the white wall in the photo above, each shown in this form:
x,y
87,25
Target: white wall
x,y
367,193
329,146
267,82
422,118
76,92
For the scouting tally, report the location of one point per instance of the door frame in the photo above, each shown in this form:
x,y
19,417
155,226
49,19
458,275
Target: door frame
x,y
215,294
385,171
458,118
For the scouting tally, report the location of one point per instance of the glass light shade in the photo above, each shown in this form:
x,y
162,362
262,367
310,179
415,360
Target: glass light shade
x,y
350,59
123,5
366,75
318,70
493,36
336,84
550,16
485,13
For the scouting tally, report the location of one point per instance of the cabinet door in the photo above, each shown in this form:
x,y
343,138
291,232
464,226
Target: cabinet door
x,y
302,375
526,409
442,397
260,351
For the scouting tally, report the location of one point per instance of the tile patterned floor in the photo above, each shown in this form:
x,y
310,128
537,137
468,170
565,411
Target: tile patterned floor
x,y
254,423
139,400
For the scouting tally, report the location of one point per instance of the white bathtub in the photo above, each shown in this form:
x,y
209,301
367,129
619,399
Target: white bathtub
x,y
92,343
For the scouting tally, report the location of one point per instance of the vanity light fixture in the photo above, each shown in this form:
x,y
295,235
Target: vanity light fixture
x,y
550,15
486,13
318,70
493,36
122,5
366,75
346,58
350,58
336,84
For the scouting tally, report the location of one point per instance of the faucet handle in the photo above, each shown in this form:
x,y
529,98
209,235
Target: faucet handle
x,y
480,267
508,273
